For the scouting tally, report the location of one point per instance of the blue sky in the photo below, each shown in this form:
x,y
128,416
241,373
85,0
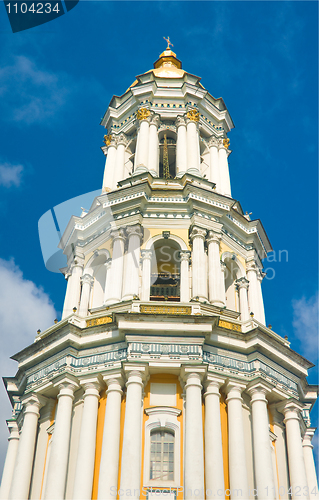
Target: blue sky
x,y
56,82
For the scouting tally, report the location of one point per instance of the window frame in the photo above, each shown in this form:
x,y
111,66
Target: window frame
x,y
162,419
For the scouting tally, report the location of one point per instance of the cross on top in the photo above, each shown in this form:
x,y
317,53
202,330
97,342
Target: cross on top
x,y
168,43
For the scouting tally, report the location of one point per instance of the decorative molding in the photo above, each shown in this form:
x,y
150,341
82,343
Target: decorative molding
x,y
99,321
157,350
143,114
229,326
193,115
150,309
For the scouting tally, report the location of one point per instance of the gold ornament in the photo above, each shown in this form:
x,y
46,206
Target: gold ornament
x,y
107,139
193,115
143,114
226,143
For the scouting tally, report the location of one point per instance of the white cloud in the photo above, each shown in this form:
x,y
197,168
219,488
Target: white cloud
x,y
24,309
31,94
10,175
305,323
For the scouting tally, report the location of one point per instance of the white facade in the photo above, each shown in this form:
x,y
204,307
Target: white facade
x,y
162,379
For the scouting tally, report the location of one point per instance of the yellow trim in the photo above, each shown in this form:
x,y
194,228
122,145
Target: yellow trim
x,y
169,379
98,446
48,442
224,428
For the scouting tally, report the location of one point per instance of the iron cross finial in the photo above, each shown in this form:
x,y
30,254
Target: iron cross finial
x,y
168,43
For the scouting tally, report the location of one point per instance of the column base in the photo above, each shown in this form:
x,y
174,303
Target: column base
x,y
218,303
200,298
109,302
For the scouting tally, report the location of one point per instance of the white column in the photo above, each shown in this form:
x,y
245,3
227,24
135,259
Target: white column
x,y
131,278
215,274
132,439
310,463
114,292
24,460
72,296
214,467
110,143
119,161
87,282
59,455
184,270
84,471
146,274
238,476
223,167
214,166
181,146
242,285
199,274
153,151
193,156
260,277
108,283
142,143
254,292
222,285
9,463
194,446
264,476
296,462
109,466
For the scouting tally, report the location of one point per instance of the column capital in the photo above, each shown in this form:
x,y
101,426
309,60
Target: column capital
x,y
251,265
67,386
91,385
33,402
113,378
143,114
223,266
135,230
122,140
184,255
258,390
308,435
212,236
110,140
212,384
147,254
212,142
192,115
117,234
155,120
139,372
234,389
197,232
13,429
196,372
87,278
78,261
242,283
290,408
180,120
223,143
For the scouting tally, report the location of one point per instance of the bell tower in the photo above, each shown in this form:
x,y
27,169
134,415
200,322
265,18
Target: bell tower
x,y
162,380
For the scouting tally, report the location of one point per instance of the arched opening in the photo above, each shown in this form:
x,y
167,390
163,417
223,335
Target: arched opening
x,y
99,274
232,273
165,275
167,152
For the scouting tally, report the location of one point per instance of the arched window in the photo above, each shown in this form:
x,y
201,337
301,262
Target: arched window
x,y
167,152
166,271
162,455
